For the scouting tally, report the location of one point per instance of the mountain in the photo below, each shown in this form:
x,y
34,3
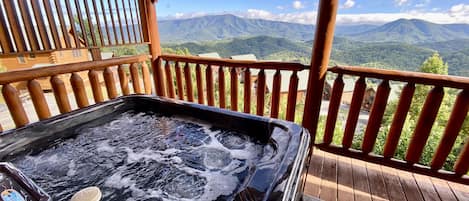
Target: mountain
x,y
388,55
261,46
222,27
413,31
219,27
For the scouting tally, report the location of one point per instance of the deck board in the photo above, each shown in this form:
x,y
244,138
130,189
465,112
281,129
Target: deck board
x,y
329,178
393,184
335,177
344,180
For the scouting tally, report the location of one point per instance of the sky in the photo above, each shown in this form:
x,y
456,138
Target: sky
x,y
304,11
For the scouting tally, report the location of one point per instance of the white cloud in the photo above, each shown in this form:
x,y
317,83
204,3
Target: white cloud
x,y
456,14
298,5
280,7
348,4
460,10
400,2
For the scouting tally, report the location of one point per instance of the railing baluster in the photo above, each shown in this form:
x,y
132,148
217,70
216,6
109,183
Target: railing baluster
x,y
15,26
123,80
209,81
60,93
38,99
260,93
146,78
455,122
462,163
354,112
180,87
424,125
135,78
13,101
95,86
398,121
28,25
292,96
38,16
333,111
110,83
275,103
221,87
79,90
234,89
188,79
200,86
169,79
376,116
158,77
247,91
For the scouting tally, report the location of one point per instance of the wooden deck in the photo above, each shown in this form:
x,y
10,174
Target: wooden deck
x,y
334,177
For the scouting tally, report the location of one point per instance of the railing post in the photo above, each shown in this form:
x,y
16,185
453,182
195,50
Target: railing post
x,y
154,46
319,61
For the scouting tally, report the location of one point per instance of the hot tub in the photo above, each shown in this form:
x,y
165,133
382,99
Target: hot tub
x,y
146,148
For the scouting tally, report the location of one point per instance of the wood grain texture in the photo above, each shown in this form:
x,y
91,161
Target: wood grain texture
x,y
333,110
13,102
275,100
60,93
424,125
354,112
235,63
96,86
405,76
123,80
292,96
392,140
78,87
247,91
33,73
38,99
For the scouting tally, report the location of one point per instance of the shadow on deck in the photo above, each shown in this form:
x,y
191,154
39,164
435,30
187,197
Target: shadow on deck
x,y
334,177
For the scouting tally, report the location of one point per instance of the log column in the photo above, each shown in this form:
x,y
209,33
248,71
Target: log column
x,y
319,61
154,46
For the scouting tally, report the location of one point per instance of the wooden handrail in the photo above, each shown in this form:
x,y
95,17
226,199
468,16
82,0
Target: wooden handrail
x,y
404,76
236,63
33,73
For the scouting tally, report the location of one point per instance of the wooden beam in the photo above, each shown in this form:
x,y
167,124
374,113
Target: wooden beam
x,y
319,61
152,23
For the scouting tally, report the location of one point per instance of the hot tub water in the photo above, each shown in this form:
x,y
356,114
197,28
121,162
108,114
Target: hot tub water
x,y
145,156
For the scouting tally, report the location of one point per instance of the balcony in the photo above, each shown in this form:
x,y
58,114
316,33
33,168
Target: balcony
x,y
337,171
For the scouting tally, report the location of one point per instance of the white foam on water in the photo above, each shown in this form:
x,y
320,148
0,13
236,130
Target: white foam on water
x,y
220,163
71,169
105,147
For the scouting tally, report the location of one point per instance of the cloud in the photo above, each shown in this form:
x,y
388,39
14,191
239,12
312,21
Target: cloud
x,y
298,5
456,14
460,10
348,4
400,2
280,7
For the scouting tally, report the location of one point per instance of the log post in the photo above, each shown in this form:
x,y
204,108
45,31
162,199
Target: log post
x,y
319,61
154,45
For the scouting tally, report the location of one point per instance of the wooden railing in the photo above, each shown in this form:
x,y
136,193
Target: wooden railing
x,y
49,25
174,77
112,71
423,127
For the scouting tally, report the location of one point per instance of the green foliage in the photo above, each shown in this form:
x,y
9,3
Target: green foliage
x,y
222,27
262,46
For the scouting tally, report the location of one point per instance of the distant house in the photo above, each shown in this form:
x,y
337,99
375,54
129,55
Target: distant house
x,y
349,84
46,58
244,57
285,82
210,55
